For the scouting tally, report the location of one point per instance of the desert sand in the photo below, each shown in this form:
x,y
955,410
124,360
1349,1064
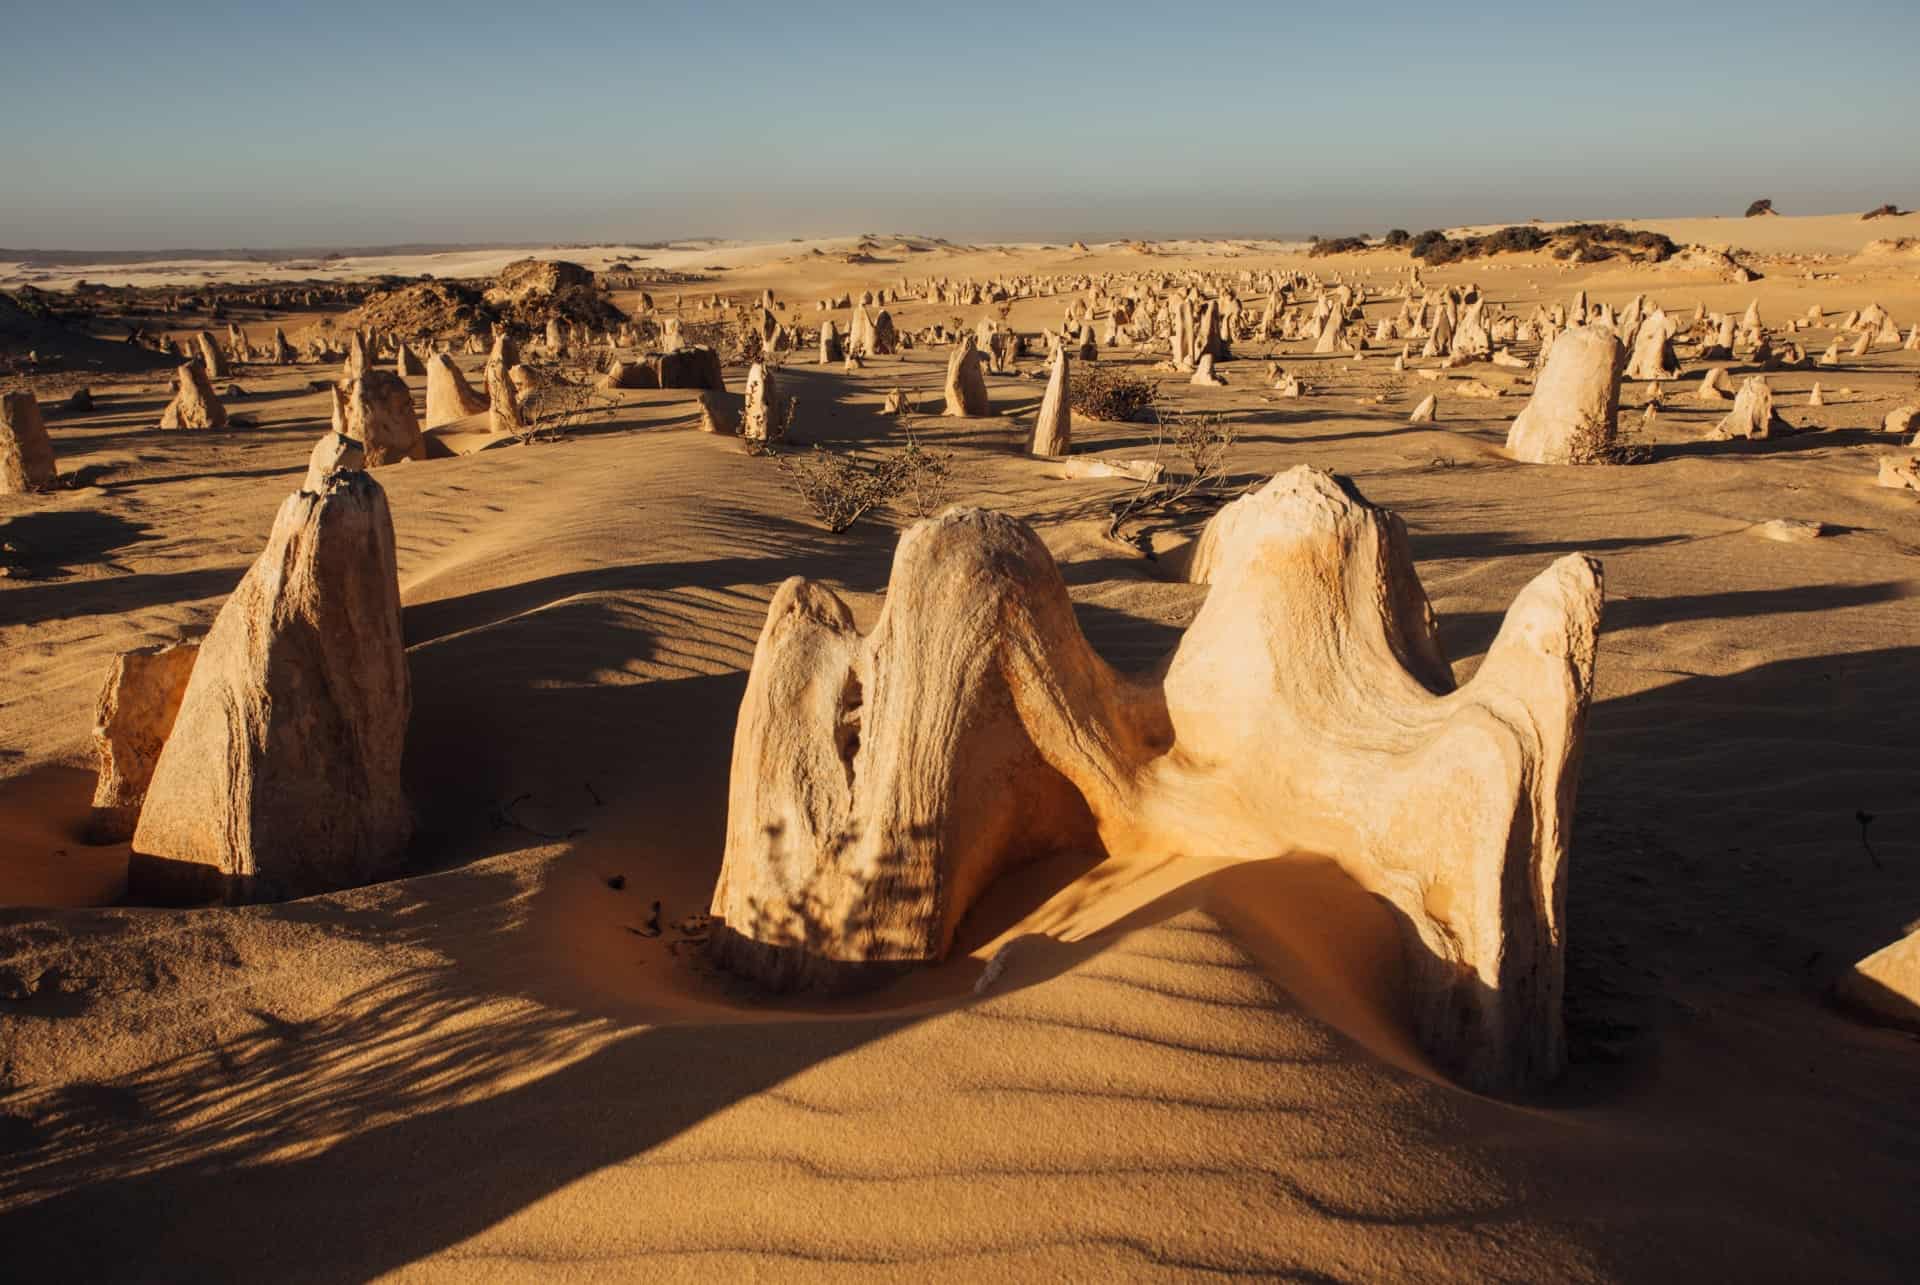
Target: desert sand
x,y
517,1060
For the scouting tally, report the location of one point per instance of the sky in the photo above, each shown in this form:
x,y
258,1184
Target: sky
x,y
273,125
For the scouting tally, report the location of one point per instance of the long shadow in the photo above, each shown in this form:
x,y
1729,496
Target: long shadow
x,y
54,543
65,599
230,1209
1466,634
1801,440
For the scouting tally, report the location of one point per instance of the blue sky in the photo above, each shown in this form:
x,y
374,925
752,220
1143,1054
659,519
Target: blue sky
x,y
273,124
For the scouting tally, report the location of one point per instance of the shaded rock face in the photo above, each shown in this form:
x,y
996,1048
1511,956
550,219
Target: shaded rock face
x,y
881,782
26,451
503,398
193,404
132,719
210,355
282,775
449,396
1574,414
378,413
630,374
692,366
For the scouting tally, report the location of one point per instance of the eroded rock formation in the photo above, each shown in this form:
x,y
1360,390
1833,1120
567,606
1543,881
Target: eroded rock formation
x,y
132,719
881,782
1573,416
193,404
282,773
26,452
449,396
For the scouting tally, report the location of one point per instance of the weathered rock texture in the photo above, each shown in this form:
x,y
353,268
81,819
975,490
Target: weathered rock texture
x,y
332,453
449,395
1573,416
131,722
193,404
966,383
282,775
1053,428
1885,986
26,452
1753,414
378,411
880,783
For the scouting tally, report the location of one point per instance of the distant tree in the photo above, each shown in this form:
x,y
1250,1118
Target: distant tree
x,y
1761,207
1398,237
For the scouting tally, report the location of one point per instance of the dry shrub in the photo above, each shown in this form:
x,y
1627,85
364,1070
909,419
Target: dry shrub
x,y
1205,442
1104,391
840,487
564,395
1625,445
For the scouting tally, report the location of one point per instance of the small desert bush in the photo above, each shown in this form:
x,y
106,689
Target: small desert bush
x,y
1397,238
1103,391
1205,442
841,488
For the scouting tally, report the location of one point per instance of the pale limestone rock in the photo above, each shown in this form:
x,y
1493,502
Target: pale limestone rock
x,y
335,452
1424,412
881,783
504,414
760,415
377,411
1901,472
282,773
1901,419
26,451
1885,986
1653,356
1573,416
211,356
966,384
1713,386
1789,530
1053,428
449,396
193,404
1752,414
1203,374
719,413
132,718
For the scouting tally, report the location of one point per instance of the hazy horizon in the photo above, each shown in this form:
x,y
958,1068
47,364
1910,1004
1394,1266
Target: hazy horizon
x,y
134,129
